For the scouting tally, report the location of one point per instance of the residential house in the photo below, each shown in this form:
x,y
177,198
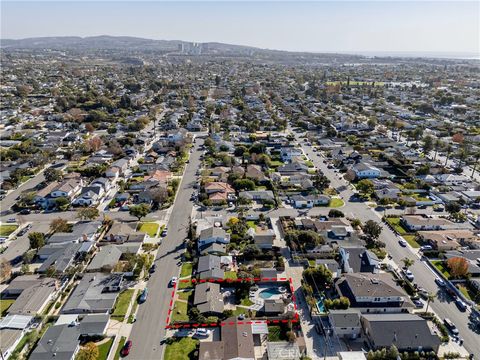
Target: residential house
x,y
443,240
287,154
208,299
12,330
96,293
358,260
219,192
364,170
213,235
210,267
82,231
408,332
373,293
62,341
260,196
255,172
418,222
346,323
59,257
309,201
67,188
122,232
471,256
236,342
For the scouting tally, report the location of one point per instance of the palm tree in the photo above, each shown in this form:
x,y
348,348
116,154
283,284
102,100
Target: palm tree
x,y
477,157
437,146
449,151
407,262
430,299
462,156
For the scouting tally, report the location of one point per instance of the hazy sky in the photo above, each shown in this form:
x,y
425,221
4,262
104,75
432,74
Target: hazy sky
x,y
358,26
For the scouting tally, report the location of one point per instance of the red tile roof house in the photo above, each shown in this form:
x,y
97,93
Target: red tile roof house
x,y
218,191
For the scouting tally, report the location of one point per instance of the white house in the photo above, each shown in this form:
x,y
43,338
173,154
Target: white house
x,y
213,235
365,171
288,153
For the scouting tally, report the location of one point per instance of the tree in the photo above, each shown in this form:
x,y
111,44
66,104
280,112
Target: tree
x,y
449,151
365,187
139,211
452,207
59,225
335,213
372,229
37,239
28,256
62,202
88,213
159,195
25,269
5,270
458,267
356,223
319,275
244,184
88,352
430,298
320,181
437,146
52,174
250,251
427,144
407,262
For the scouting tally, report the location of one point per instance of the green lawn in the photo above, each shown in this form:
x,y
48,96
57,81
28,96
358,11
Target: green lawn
x,y
184,295
441,267
309,164
151,229
251,224
4,305
395,223
277,333
6,230
186,270
335,203
132,312
104,349
121,305
231,275
119,348
240,310
275,163
179,312
181,349
246,302
411,240
463,289
184,285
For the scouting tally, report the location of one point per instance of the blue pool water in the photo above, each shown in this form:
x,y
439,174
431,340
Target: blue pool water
x,y
320,298
268,293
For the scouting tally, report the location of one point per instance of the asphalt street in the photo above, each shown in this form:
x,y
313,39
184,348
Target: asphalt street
x,y
149,329
424,276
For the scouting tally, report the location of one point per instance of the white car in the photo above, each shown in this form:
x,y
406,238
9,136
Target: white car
x,y
408,274
173,280
402,243
201,333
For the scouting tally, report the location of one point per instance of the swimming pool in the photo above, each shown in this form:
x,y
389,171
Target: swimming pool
x,y
320,306
269,292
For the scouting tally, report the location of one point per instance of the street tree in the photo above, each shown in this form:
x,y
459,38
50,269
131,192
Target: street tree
x,y
52,174
139,211
458,267
88,213
88,352
430,299
372,229
37,239
427,144
407,262
59,225
365,187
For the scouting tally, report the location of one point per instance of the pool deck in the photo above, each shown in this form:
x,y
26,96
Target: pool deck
x,y
258,301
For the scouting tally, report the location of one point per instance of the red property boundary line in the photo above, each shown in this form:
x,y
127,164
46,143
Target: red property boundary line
x,y
203,325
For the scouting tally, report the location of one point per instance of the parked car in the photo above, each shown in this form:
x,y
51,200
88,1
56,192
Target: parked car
x,y
201,333
440,282
173,281
418,303
450,326
152,269
408,274
25,211
11,220
423,293
461,304
143,296
126,348
164,233
402,243
426,248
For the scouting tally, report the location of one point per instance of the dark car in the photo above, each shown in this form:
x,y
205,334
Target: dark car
x,y
143,296
440,282
451,326
126,348
25,211
164,233
152,269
